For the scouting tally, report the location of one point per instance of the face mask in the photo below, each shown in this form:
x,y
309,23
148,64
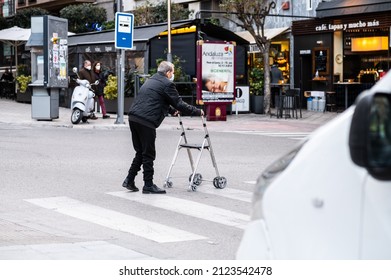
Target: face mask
x,y
172,78
97,67
88,67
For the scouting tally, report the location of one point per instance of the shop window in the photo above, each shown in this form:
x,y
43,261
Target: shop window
x,y
364,44
309,5
6,8
6,55
320,61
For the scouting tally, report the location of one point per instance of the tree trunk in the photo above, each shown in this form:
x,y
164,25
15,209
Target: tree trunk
x,y
266,66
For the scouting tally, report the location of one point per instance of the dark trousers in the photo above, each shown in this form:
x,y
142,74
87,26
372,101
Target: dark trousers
x,y
275,97
143,139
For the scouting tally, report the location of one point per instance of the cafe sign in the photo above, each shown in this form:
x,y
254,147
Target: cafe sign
x,y
346,26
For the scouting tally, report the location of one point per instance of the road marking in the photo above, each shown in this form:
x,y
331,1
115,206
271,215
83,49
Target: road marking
x,y
290,135
187,207
227,192
250,182
114,220
90,250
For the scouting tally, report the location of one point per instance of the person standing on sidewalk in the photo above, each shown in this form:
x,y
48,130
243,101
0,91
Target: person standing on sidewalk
x,y
276,77
7,76
86,74
99,76
157,97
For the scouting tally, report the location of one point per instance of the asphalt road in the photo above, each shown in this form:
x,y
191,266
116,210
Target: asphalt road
x,y
61,194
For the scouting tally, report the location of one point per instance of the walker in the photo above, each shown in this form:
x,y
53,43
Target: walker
x,y
195,179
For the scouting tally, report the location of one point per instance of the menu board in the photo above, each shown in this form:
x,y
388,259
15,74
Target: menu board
x,y
320,61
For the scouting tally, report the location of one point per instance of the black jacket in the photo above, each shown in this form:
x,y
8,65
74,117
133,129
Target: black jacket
x,y
154,99
99,89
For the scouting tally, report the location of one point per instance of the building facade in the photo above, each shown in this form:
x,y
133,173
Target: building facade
x,y
296,28
345,49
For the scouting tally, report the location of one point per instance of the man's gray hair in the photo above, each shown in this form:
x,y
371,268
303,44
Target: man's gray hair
x,y
165,66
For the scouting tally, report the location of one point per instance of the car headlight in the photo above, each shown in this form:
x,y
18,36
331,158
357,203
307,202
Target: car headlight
x,y
268,176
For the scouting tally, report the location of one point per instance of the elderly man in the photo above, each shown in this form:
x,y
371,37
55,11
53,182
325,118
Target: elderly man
x,y
157,97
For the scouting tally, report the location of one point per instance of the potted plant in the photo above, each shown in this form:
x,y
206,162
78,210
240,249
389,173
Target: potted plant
x,y
111,93
256,90
23,82
23,79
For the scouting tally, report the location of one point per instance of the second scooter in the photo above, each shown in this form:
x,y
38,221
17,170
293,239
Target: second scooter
x,y
82,102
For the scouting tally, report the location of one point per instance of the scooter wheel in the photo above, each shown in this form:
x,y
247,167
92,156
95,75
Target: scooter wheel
x,y
220,182
168,184
76,116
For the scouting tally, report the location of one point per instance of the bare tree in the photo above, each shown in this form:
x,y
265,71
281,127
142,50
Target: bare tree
x,y
251,15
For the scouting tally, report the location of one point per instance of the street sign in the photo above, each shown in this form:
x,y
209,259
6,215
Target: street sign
x,y
124,30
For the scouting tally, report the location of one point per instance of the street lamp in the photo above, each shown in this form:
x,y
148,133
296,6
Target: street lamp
x,y
169,56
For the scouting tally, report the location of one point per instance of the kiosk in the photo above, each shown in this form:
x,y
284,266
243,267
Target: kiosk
x,y
49,67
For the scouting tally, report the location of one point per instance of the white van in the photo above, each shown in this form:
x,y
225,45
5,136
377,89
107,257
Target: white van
x,y
330,197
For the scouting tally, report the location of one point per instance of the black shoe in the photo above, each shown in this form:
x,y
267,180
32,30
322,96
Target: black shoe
x,y
153,189
93,117
129,185
106,117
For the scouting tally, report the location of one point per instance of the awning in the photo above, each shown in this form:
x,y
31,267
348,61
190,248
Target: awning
x,y
15,36
269,33
213,32
350,7
140,34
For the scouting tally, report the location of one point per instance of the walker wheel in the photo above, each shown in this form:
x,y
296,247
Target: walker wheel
x,y
168,184
197,179
220,182
194,187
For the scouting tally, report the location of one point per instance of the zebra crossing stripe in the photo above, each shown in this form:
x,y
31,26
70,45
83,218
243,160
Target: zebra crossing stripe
x,y
227,192
282,134
187,207
291,135
114,220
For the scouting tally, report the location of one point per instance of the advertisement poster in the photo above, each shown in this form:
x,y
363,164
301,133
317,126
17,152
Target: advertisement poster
x,y
242,103
215,72
55,52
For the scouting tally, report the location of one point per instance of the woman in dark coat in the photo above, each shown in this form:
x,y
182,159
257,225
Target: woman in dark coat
x,y
97,71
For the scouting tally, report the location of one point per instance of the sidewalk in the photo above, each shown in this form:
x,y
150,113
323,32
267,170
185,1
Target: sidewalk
x,y
12,112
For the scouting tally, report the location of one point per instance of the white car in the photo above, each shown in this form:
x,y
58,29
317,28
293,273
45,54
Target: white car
x,y
330,197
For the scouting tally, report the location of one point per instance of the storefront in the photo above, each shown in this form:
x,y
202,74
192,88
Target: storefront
x,y
346,49
279,50
150,45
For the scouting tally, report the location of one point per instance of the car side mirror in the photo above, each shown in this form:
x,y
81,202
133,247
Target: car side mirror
x,y
370,134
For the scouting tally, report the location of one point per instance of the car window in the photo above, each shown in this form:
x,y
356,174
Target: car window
x,y
380,132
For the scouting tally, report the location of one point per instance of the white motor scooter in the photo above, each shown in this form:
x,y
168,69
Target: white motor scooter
x,y
82,102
